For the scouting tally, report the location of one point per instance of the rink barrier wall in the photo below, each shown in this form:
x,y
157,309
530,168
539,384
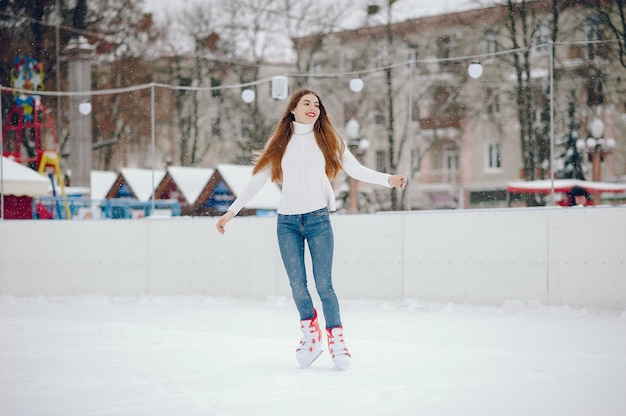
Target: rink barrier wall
x,y
555,256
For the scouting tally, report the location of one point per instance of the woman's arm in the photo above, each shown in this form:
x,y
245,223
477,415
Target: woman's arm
x,y
254,185
356,170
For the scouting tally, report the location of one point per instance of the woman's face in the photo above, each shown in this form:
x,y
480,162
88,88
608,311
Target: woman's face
x,y
308,109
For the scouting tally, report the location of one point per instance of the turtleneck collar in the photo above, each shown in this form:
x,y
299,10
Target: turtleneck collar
x,y
301,128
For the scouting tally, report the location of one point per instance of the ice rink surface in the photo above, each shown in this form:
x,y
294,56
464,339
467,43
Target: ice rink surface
x,y
187,356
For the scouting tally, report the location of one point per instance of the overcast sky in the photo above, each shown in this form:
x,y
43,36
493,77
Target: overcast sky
x,y
402,9
354,11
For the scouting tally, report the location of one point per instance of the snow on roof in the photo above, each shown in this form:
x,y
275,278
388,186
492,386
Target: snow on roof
x,y
356,15
190,181
101,182
20,180
142,181
563,185
237,176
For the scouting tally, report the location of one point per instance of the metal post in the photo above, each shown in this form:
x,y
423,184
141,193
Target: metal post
x,y
596,164
1,159
58,61
552,196
409,175
152,142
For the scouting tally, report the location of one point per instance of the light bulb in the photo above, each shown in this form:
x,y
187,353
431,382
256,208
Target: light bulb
x,y
475,70
84,108
356,84
247,96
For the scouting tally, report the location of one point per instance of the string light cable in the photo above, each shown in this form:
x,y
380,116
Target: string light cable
x,y
345,74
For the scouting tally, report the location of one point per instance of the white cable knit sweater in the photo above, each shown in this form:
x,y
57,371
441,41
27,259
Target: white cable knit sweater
x,y
306,187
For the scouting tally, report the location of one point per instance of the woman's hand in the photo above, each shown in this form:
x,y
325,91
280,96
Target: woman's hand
x,y
221,221
397,181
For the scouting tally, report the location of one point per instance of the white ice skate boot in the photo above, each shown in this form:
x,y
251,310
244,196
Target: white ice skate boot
x,y
337,348
311,343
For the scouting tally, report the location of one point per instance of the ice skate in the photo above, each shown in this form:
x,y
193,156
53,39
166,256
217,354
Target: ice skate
x,y
311,343
337,348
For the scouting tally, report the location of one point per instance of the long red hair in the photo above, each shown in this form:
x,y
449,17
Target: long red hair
x,y
327,138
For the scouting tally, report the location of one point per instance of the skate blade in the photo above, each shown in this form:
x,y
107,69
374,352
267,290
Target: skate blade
x,y
312,361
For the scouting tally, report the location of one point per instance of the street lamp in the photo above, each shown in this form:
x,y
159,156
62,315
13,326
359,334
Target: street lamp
x,y
596,147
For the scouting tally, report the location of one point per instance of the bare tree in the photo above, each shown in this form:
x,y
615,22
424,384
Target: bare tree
x,y
261,32
252,33
613,14
193,67
309,27
532,98
121,127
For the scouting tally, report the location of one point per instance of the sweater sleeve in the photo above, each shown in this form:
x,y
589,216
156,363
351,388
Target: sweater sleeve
x,y
254,185
356,170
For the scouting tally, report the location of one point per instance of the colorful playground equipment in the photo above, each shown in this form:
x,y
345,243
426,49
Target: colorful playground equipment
x,y
30,138
29,135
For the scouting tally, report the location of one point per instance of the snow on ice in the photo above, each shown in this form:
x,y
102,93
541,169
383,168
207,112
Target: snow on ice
x,y
93,355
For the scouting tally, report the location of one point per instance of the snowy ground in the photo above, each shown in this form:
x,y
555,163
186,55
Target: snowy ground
x,y
87,356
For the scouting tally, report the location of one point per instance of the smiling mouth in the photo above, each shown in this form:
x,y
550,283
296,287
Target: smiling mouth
x,y
310,114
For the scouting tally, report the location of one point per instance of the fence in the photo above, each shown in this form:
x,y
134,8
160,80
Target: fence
x,y
51,207
555,256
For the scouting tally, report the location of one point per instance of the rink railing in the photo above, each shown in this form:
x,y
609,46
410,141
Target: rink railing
x,y
555,256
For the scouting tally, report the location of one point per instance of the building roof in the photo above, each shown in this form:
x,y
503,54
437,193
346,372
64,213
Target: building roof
x,y
142,181
101,182
544,186
20,180
190,180
237,176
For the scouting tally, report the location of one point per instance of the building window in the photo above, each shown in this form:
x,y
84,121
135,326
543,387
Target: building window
x,y
494,157
412,53
347,60
451,159
317,64
492,196
491,43
595,35
216,127
493,101
379,112
380,56
595,89
444,44
575,52
381,161
246,130
415,160
216,83
415,110
542,39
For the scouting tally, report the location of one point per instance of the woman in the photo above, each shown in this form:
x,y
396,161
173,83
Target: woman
x,y
303,155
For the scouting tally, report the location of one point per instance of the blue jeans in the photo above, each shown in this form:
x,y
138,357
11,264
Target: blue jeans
x,y
315,228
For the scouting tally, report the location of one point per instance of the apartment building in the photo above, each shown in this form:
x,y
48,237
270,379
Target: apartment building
x,y
461,139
